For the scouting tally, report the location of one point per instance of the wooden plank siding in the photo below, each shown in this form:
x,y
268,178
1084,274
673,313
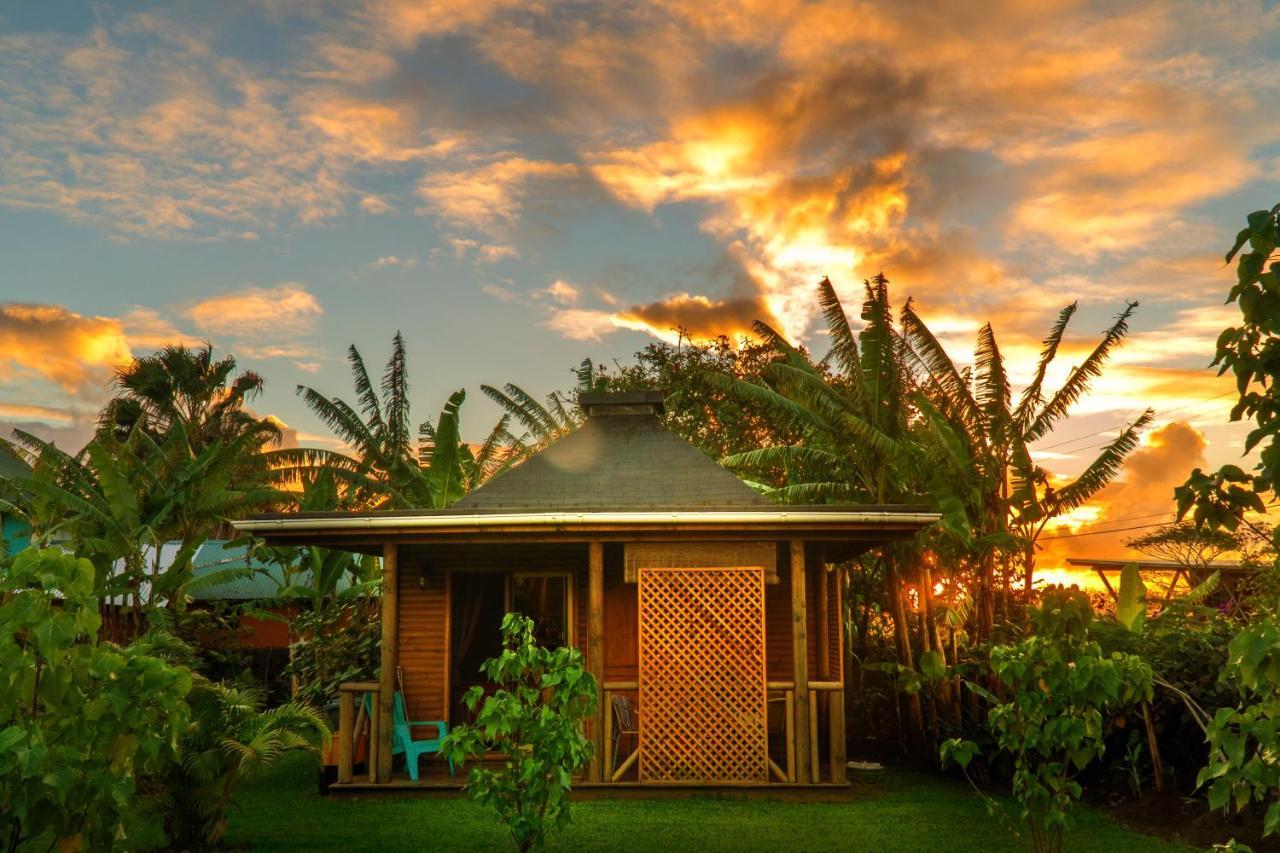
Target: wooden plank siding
x,y
424,640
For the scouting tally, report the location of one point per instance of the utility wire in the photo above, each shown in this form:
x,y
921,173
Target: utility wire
x,y
1099,532
1126,423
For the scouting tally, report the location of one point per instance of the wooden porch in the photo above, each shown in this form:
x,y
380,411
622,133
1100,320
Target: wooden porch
x,y
800,725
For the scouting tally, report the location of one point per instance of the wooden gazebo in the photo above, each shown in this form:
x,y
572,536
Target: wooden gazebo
x,y
708,613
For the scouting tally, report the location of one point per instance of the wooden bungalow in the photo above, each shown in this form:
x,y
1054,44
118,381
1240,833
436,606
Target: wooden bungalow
x,y
708,613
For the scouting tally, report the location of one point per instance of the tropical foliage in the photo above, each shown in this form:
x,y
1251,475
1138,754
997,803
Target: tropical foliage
x,y
181,387
117,502
231,738
80,720
1244,740
386,468
535,720
1060,690
1223,498
542,423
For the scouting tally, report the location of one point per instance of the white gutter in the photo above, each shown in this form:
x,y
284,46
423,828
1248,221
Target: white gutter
x,y
569,519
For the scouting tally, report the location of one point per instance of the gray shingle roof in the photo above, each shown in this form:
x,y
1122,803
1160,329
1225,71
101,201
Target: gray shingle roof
x,y
616,462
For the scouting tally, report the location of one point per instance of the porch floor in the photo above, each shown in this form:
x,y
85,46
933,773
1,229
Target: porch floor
x,y
434,779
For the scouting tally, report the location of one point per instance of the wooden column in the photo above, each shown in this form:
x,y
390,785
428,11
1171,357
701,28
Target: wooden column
x,y
839,756
824,625
800,662
347,727
595,652
390,657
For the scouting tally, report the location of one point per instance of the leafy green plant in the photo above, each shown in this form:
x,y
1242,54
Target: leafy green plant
x,y
231,738
535,719
1222,498
79,719
334,645
1059,690
1244,741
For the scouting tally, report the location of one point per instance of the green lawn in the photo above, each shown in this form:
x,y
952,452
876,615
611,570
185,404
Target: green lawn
x,y
893,811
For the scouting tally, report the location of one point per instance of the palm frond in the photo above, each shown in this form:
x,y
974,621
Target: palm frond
x,y
1081,377
844,344
395,394
1032,396
367,396
1103,469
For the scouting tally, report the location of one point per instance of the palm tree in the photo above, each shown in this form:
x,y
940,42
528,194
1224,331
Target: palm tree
x,y
231,739
1016,499
386,468
118,502
887,417
177,385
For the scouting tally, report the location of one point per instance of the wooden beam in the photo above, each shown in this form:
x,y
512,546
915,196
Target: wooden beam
x,y
606,697
1106,581
839,760
839,711
390,657
595,651
815,759
800,662
347,727
791,735
824,625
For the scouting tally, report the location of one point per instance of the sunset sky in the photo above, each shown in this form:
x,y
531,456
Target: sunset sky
x,y
518,185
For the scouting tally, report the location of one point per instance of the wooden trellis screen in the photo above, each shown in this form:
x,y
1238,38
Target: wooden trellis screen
x,y
702,675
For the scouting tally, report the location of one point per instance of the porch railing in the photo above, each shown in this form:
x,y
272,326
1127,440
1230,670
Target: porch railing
x,y
830,692
352,721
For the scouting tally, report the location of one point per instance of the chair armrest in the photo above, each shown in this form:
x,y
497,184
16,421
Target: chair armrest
x,y
437,724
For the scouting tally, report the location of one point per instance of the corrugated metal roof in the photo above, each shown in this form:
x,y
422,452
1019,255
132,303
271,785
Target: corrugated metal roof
x,y
13,467
214,555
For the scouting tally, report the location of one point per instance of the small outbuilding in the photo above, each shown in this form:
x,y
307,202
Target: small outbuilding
x,y
709,615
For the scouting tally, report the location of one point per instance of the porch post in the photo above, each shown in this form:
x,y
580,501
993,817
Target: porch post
x,y
390,656
595,652
800,662
839,757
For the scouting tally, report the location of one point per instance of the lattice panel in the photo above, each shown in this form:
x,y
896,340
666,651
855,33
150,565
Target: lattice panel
x,y
702,675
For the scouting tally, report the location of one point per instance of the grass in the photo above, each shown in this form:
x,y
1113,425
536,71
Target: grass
x,y
890,812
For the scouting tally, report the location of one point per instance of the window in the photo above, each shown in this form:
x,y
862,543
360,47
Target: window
x,y
547,599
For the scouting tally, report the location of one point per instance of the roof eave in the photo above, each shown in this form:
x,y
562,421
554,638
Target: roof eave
x,y
885,524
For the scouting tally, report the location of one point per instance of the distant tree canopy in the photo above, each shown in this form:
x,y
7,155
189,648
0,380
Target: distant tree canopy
x,y
1185,544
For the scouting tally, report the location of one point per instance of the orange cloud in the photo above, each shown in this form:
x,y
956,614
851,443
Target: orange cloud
x,y
71,350
1142,495
267,322
490,195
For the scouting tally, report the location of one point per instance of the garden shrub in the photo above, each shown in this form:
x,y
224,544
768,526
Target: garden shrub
x,y
79,719
1244,738
338,643
535,719
1058,690
231,738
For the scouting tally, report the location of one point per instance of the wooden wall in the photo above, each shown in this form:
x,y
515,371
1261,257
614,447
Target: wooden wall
x,y
424,616
835,625
424,640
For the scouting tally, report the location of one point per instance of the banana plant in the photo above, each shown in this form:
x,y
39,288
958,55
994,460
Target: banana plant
x,y
385,468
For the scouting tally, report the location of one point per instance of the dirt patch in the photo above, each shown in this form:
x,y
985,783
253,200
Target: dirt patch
x,y
1189,820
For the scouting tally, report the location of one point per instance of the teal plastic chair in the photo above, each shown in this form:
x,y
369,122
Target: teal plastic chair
x,y
402,741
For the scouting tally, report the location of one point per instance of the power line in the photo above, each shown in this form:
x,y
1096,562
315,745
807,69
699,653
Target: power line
x,y
1135,517
1126,423
1100,532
